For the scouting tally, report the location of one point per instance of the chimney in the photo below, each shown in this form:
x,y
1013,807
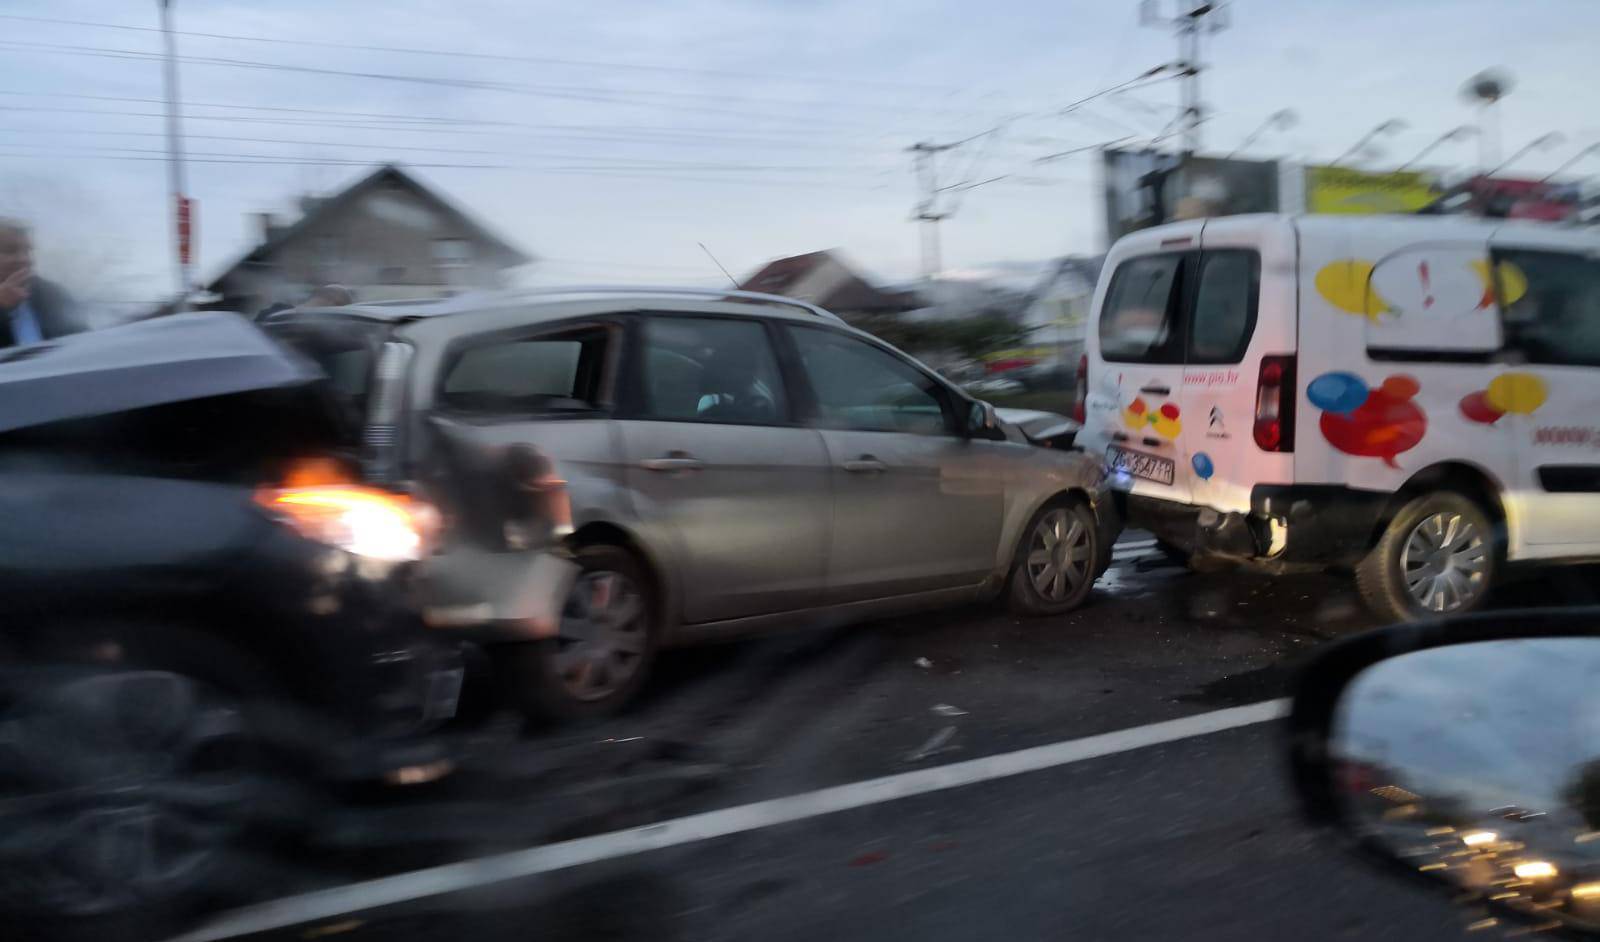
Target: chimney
x,y
267,226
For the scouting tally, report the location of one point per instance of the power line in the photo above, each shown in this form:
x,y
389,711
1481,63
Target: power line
x,y
537,60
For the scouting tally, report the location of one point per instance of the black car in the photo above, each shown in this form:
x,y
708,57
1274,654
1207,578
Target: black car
x,y
206,619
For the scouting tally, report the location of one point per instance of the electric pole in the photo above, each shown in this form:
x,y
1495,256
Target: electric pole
x,y
1190,20
182,221
927,211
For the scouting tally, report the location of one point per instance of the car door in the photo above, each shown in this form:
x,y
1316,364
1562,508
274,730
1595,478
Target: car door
x,y
1549,392
916,505
715,457
1137,396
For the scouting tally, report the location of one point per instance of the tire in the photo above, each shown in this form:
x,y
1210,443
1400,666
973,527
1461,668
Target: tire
x,y
1046,580
1443,529
595,666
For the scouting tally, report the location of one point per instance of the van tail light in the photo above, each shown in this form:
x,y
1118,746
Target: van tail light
x,y
1080,401
1275,395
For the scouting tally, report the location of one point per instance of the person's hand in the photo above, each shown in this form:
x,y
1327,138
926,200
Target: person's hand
x,y
14,289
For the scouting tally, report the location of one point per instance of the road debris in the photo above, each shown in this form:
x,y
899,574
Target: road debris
x,y
937,743
923,663
945,709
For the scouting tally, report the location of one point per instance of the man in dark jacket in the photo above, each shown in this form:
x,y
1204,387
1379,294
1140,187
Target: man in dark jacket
x,y
31,309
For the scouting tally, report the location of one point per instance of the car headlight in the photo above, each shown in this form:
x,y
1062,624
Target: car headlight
x,y
364,521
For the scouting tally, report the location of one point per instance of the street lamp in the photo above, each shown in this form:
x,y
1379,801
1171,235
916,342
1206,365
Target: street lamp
x,y
1486,89
1591,149
1454,134
1548,139
1282,119
1388,127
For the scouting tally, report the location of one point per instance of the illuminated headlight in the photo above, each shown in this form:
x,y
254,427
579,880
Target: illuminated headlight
x,y
363,521
1534,870
1479,838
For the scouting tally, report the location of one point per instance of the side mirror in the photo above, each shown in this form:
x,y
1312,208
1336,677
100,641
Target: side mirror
x,y
1464,752
982,422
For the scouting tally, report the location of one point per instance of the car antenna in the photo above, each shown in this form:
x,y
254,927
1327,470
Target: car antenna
x,y
718,264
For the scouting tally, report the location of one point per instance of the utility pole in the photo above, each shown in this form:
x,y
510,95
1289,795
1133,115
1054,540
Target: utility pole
x,y
182,222
927,211
1190,19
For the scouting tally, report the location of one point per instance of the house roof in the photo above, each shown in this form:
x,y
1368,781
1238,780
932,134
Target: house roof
x,y
386,174
850,292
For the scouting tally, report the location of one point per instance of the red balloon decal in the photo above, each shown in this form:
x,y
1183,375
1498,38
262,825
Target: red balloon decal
x,y
1384,425
1169,409
1475,406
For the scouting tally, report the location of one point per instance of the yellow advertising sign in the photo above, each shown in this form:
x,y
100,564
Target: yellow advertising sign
x,y
1342,190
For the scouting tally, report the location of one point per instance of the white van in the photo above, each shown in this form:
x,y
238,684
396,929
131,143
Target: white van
x,y
1417,398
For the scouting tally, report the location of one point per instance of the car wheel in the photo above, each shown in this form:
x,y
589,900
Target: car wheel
x,y
127,796
1436,557
1056,560
604,647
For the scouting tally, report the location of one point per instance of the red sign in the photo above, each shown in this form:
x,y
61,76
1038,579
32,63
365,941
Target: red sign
x,y
1507,197
185,229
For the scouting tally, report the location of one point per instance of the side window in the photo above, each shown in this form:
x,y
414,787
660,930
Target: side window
x,y
1139,320
1551,305
859,386
705,369
1224,315
530,376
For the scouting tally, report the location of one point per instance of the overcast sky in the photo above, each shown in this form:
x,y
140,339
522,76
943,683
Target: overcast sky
x,y
614,136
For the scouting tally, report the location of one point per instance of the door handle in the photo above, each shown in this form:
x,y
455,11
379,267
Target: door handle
x,y
1156,390
673,461
866,464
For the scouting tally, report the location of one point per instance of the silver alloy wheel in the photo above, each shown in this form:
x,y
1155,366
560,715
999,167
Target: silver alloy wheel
x,y
1058,560
602,640
1445,562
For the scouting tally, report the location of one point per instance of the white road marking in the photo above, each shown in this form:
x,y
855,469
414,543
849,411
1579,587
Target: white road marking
x,y
449,878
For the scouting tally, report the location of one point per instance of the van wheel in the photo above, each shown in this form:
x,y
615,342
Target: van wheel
x,y
1056,561
1436,557
602,653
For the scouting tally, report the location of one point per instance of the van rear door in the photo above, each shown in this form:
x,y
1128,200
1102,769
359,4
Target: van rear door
x,y
1133,403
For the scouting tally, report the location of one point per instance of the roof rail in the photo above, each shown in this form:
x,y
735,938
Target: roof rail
x,y
734,293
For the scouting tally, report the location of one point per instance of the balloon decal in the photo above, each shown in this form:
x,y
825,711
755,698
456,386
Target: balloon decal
x,y
1516,393
1203,466
1345,284
1164,420
1356,286
1374,423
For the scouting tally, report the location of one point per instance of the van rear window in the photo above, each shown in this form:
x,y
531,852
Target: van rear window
x,y
1139,320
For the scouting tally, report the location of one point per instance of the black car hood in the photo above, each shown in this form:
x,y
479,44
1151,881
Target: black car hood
x,y
148,363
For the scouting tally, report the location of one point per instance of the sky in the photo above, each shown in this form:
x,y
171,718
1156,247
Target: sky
x,y
612,139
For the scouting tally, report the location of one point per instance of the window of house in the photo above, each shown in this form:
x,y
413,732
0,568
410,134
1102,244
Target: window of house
x,y
859,386
701,369
536,375
1140,319
452,253
1551,306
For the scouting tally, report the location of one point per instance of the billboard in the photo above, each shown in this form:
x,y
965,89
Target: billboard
x,y
1511,198
1147,188
1331,189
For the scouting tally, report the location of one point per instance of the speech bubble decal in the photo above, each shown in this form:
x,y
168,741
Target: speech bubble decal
x,y
1516,393
1383,424
1346,284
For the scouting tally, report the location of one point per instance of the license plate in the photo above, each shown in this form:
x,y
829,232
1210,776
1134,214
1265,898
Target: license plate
x,y
1140,465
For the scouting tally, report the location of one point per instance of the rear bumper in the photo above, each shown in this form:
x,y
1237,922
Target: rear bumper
x,y
1291,524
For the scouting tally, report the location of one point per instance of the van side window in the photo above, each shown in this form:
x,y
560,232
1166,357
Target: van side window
x,y
1224,315
1551,305
527,376
1139,322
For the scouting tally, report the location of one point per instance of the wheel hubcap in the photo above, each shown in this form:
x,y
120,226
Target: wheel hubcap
x,y
1058,555
1445,563
602,640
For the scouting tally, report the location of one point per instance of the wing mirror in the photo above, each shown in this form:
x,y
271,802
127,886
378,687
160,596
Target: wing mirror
x,y
982,422
1465,753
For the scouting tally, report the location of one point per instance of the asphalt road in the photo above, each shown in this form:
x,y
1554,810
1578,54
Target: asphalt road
x,y
1197,837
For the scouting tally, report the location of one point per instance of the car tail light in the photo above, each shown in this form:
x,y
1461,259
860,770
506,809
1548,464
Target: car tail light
x,y
1275,392
364,521
1080,402
384,411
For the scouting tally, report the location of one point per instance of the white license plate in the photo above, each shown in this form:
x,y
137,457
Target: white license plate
x,y
1140,465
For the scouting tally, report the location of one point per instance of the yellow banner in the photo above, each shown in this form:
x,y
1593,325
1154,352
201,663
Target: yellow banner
x,y
1342,190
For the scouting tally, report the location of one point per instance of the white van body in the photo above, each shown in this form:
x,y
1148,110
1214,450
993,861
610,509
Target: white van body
x,y
1416,355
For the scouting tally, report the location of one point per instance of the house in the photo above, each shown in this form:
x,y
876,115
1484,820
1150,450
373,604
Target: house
x,y
386,237
825,279
1057,309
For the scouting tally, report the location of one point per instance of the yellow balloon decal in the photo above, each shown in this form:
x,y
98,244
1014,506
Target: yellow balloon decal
x,y
1517,393
1346,284
1513,282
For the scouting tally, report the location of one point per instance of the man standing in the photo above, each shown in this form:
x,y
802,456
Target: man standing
x,y
31,309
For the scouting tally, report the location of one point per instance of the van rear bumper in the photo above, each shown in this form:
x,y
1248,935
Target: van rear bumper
x,y
1301,524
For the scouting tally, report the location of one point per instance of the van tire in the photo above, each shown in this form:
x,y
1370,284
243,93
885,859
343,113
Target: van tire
x,y
1380,576
1023,596
530,674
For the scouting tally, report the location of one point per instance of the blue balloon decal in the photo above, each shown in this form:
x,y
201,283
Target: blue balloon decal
x,y
1337,392
1203,466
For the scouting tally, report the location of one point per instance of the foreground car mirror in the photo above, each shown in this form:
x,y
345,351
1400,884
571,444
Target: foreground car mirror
x,y
982,422
1466,753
